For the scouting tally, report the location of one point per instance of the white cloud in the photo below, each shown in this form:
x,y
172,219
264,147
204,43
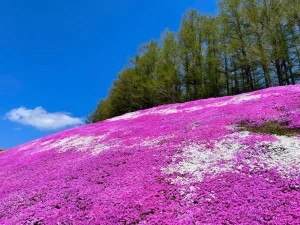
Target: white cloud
x,y
41,119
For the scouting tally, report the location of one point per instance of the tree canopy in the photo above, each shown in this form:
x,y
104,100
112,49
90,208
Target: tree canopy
x,y
249,45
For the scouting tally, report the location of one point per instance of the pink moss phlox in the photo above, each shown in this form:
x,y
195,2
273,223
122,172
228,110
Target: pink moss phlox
x,y
120,171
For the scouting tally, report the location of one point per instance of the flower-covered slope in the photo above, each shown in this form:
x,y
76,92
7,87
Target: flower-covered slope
x,y
191,163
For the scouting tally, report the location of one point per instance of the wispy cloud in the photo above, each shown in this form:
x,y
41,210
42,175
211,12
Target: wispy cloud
x,y
41,119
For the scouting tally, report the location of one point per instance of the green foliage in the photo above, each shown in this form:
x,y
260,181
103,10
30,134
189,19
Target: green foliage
x,y
272,127
249,45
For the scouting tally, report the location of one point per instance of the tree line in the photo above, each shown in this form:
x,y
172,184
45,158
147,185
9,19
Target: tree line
x,y
249,45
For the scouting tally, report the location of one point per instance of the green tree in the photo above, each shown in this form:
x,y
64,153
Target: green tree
x,y
191,40
234,16
167,73
249,45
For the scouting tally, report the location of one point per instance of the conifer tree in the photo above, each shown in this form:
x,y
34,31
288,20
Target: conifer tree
x,y
249,45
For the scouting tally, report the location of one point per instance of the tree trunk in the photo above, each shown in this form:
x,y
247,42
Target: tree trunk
x,y
278,71
237,88
227,75
266,75
248,72
286,72
292,75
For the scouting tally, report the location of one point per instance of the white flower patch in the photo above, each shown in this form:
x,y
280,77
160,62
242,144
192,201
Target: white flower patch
x,y
99,148
244,97
283,154
27,145
197,160
77,142
235,100
60,143
218,104
194,108
166,111
231,127
46,142
153,111
126,116
271,94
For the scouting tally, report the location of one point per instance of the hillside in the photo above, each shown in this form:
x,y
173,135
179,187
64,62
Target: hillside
x,y
201,162
246,45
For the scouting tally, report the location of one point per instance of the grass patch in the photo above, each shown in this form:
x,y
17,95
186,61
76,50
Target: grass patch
x,y
271,127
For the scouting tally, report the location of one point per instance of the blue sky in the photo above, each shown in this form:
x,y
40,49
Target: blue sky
x,y
59,57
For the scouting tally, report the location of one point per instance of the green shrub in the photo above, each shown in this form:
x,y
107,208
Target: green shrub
x,y
271,127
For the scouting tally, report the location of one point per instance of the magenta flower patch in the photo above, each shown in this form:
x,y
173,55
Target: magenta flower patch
x,y
190,163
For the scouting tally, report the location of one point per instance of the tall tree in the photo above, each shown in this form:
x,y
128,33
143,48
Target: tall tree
x,y
249,45
167,73
191,40
212,57
234,14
